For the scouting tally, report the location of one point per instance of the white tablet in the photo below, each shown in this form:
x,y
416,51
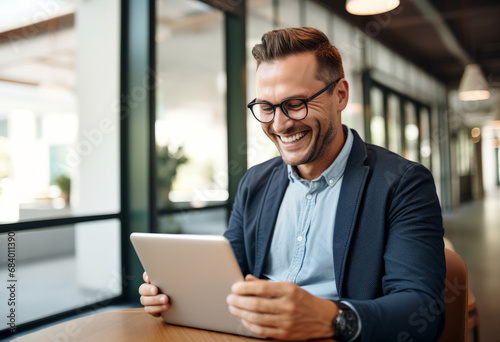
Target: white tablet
x,y
196,272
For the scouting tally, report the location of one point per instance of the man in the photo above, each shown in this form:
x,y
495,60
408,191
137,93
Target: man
x,y
336,237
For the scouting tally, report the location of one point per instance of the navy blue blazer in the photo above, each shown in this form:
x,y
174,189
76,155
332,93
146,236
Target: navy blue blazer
x,y
388,241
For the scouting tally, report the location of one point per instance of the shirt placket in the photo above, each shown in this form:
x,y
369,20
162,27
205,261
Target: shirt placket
x,y
299,249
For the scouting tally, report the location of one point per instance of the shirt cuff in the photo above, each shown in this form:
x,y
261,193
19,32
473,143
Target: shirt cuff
x,y
359,320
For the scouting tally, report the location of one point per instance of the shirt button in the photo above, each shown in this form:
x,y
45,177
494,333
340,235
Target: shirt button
x,y
309,196
330,181
299,239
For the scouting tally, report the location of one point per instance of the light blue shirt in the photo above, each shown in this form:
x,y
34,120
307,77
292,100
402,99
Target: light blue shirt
x,y
302,245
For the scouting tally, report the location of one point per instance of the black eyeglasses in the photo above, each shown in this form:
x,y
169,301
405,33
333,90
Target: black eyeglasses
x,y
293,108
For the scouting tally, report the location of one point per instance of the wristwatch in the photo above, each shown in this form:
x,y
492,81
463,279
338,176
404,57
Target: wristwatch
x,y
346,324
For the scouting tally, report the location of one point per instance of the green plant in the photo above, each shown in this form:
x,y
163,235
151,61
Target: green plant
x,y
64,183
167,163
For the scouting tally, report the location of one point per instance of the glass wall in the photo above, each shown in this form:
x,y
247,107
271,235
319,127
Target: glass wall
x,y
191,133
394,123
377,120
411,132
260,19
59,152
425,138
54,129
55,274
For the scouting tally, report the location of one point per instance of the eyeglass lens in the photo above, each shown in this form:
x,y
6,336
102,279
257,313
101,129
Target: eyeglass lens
x,y
294,108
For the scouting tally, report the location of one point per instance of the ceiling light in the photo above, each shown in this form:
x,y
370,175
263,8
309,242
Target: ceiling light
x,y
370,7
473,85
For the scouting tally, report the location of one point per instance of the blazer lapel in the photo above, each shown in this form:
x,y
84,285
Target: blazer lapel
x,y
351,193
275,190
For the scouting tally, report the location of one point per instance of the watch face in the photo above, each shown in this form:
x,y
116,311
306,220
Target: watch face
x,y
346,324
351,323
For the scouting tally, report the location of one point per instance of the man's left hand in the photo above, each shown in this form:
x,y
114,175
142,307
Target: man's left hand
x,y
281,310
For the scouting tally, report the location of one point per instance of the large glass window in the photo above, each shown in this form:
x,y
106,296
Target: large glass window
x,y
411,132
425,140
59,130
191,128
394,123
59,152
190,105
377,120
259,20
59,269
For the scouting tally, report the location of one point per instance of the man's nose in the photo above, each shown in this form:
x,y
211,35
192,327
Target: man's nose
x,y
281,122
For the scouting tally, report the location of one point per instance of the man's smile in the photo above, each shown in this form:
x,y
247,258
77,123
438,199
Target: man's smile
x,y
292,138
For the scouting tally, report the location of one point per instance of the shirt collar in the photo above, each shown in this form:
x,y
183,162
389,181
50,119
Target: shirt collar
x,y
335,171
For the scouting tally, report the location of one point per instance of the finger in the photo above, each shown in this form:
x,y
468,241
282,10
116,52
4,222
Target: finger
x,y
258,287
250,277
254,304
145,277
262,319
269,332
148,290
156,310
154,300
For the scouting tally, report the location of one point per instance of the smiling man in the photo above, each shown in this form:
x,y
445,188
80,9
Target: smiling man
x,y
337,238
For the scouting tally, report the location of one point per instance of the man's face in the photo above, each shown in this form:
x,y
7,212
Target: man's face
x,y
308,141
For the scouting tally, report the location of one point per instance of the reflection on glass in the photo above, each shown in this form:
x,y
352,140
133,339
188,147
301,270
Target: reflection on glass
x,y
191,116
394,123
377,121
411,133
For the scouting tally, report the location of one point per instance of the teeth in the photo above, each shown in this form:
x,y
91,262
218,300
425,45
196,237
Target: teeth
x,y
292,138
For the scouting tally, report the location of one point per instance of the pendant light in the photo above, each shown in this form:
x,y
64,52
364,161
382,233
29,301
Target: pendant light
x,y
370,7
473,85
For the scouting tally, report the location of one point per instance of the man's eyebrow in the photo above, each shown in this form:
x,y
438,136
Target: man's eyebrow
x,y
295,96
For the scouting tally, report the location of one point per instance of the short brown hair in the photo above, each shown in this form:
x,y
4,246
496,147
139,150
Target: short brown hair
x,y
278,44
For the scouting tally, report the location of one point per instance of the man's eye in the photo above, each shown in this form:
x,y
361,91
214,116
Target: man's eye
x,y
294,105
266,108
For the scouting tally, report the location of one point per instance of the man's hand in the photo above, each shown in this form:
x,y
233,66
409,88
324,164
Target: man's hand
x,y
154,303
281,310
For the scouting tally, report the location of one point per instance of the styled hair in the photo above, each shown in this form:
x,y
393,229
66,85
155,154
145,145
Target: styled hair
x,y
279,44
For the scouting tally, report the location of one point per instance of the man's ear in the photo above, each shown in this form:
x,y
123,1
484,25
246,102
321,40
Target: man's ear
x,y
342,90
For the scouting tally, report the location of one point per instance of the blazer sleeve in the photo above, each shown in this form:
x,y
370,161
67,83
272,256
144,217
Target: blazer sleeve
x,y
235,232
412,306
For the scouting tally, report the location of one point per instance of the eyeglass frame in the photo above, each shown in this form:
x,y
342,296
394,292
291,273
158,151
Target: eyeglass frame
x,y
281,105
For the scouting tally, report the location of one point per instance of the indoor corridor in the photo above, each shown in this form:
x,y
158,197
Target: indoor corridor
x,y
474,230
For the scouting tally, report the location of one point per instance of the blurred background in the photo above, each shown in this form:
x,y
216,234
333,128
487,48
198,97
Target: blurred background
x,y
122,116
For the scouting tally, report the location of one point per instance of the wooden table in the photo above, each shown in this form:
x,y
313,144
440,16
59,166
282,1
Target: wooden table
x,y
128,325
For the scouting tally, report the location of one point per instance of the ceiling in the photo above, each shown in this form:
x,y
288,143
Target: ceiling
x,y
439,36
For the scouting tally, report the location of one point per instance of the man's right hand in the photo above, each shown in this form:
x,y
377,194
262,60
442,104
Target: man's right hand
x,y
154,302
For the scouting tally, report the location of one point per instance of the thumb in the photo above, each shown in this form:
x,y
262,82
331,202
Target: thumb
x,y
250,277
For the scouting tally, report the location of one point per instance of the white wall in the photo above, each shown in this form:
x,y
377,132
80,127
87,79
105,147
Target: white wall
x,y
96,183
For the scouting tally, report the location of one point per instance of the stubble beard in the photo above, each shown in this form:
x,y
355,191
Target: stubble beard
x,y
318,149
